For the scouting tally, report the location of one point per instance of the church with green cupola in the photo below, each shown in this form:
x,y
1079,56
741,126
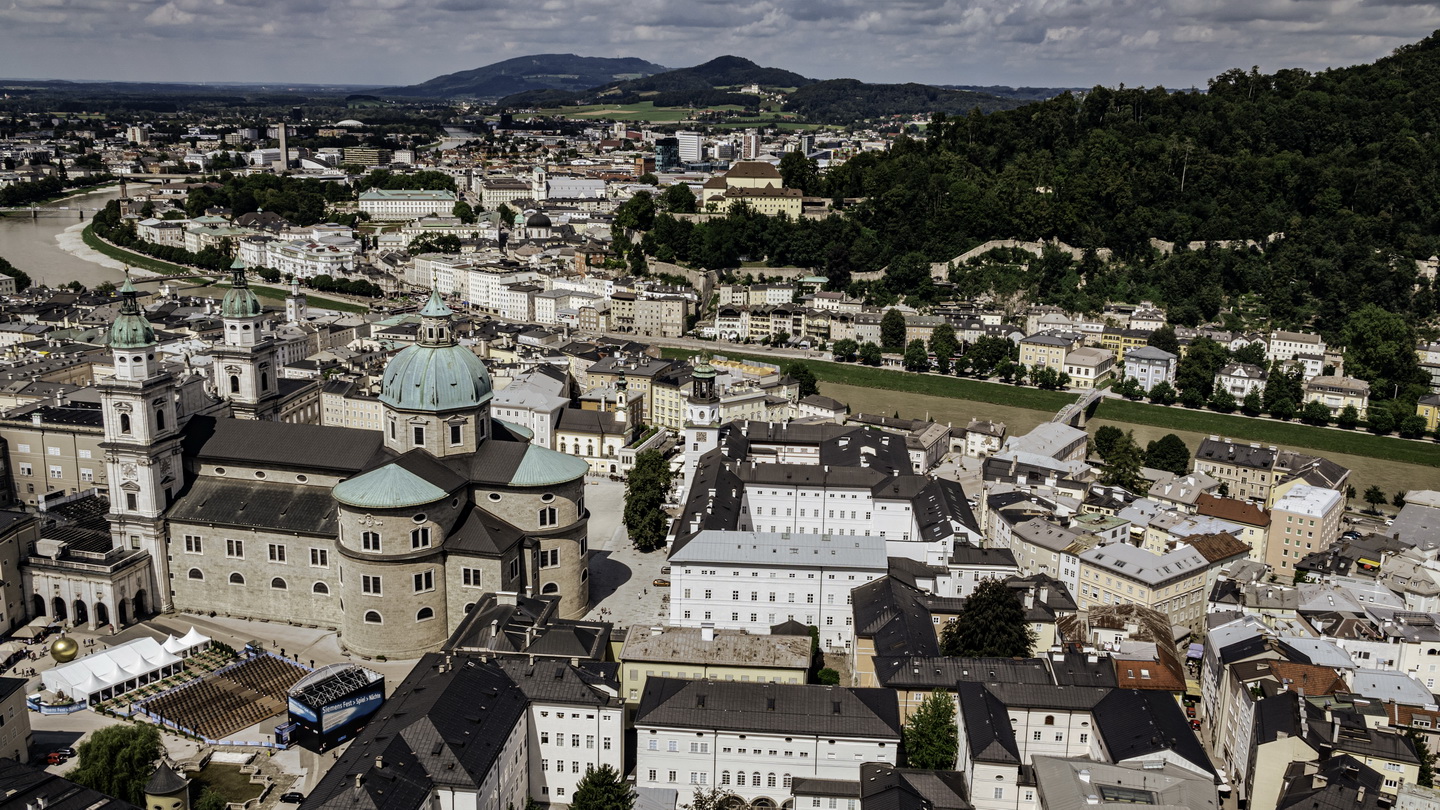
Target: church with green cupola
x,y
388,537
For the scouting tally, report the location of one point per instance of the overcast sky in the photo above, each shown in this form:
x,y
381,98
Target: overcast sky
x,y
1177,43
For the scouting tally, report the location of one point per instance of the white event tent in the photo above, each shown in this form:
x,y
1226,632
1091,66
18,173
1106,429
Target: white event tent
x,y
114,671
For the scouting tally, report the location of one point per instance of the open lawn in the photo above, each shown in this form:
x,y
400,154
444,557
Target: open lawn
x,y
273,294
1269,431
227,780
641,111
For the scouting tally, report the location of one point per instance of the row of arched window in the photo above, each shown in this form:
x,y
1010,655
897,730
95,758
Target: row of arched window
x,y
279,584
740,779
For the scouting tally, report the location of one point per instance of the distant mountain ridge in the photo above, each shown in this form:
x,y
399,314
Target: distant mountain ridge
x,y
721,80
564,72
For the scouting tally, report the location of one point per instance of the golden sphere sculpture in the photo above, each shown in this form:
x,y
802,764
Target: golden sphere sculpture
x,y
64,649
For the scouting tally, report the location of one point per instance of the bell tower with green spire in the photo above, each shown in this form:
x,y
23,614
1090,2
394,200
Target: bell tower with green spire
x,y
142,443
246,369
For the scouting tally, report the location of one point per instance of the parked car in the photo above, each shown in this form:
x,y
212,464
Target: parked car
x,y
55,758
661,583
65,752
293,797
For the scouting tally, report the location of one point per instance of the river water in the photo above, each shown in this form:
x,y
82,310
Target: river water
x,y
33,244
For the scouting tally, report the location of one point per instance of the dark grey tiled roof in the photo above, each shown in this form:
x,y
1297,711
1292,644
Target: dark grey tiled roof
x,y
25,785
833,711
885,787
986,725
437,729
555,681
1135,723
257,504
893,615
944,671
272,444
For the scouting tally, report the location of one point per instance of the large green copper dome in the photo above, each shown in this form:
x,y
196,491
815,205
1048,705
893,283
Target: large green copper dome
x,y
239,302
435,374
130,329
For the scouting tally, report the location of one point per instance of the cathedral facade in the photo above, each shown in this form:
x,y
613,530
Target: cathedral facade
x,y
388,537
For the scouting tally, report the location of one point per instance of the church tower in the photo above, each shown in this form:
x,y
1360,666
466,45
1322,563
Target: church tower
x,y
539,184
297,310
142,444
246,371
702,419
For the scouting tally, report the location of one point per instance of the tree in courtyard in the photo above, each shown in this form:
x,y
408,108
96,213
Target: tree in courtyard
x,y
1348,418
991,624
463,212
1381,418
714,798
1427,760
1375,496
646,490
118,761
943,345
802,374
1168,453
602,788
1253,404
1122,467
1315,413
892,330
870,354
1163,393
1104,440
678,199
1164,339
916,358
211,799
931,737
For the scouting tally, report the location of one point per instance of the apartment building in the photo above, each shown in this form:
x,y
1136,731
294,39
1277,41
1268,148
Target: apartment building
x,y
1302,521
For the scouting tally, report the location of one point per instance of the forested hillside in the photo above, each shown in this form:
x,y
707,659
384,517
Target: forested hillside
x,y
1341,167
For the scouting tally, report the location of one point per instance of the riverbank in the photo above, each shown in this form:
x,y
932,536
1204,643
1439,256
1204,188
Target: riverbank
x,y
68,194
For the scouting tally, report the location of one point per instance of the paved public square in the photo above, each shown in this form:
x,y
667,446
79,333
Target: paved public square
x,y
622,588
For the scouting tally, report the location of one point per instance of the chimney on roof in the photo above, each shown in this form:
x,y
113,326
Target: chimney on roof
x,y
379,762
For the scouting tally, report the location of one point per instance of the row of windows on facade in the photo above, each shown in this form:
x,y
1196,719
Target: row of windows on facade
x,y
703,778
711,572
417,433
319,589
56,471
755,617
574,740
755,597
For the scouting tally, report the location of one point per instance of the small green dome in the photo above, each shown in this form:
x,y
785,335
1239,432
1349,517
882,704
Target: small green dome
x,y
130,329
389,487
239,302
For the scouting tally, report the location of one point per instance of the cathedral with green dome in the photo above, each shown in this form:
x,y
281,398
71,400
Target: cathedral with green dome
x,y
389,536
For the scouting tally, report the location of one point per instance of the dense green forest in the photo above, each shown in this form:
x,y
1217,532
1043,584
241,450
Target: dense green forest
x,y
845,101
1332,174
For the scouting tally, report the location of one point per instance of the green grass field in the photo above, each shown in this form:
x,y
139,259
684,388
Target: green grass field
x,y
928,384
641,111
1268,431
272,294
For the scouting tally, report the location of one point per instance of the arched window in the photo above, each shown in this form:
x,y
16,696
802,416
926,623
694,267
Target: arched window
x,y
1049,719
724,777
264,381
370,541
770,780
236,578
195,573
373,617
786,782
320,588
278,583
160,419
550,587
740,778
124,423
755,779
424,613
234,384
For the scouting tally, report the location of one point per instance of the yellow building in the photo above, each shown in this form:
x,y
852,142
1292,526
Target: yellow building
x,y
768,201
1046,351
1429,407
706,653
